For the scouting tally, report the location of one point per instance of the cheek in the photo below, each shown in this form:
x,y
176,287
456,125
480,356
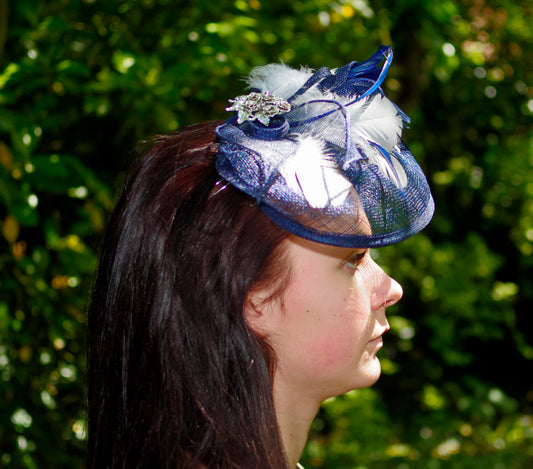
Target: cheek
x,y
358,305
327,352
343,335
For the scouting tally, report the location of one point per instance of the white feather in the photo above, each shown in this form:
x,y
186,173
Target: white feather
x,y
316,175
278,79
376,119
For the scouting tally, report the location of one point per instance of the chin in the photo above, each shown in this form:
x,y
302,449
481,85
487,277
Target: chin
x,y
370,375
364,379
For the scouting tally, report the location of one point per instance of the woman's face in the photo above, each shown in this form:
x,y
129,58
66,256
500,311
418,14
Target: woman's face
x,y
328,326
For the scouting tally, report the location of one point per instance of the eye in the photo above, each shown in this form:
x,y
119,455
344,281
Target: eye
x,y
353,260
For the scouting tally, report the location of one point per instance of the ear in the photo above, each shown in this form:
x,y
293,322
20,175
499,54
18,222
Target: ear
x,y
261,312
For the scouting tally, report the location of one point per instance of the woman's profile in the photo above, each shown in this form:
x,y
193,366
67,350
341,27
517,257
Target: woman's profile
x,y
235,291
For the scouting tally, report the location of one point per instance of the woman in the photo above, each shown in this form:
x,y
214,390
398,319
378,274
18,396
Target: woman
x,y
235,290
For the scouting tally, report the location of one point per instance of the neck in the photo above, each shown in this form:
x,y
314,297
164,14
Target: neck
x,y
295,413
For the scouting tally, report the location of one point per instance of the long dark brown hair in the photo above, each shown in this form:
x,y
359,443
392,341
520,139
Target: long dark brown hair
x,y
176,378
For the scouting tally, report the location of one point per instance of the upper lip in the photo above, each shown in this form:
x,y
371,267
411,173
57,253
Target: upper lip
x,y
385,329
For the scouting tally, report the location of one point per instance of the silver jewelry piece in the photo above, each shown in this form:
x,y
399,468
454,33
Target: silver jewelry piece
x,y
260,106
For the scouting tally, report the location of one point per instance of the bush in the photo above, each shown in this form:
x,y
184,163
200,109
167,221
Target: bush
x,y
82,81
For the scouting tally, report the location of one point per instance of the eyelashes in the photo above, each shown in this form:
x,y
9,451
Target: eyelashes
x,y
353,260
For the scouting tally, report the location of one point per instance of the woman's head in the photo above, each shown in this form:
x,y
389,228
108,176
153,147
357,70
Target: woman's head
x,y
322,154
169,346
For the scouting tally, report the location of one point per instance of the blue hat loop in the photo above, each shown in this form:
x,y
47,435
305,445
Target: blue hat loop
x,y
277,129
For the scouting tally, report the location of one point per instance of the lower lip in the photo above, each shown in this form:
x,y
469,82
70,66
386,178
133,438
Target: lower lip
x,y
378,341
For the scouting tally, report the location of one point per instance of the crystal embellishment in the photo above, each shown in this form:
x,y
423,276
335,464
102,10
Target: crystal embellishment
x,y
260,106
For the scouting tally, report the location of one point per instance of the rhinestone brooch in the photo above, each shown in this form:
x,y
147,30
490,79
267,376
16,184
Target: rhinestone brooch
x,y
258,106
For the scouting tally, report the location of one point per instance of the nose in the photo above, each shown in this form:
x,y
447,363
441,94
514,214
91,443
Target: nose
x,y
395,292
387,290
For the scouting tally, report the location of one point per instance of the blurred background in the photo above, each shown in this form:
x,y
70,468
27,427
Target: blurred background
x,y
83,81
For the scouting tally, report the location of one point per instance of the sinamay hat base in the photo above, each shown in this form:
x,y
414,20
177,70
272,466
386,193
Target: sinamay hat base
x,y
322,154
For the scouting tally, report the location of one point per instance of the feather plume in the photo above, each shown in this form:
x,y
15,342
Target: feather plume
x,y
315,174
376,119
278,79
387,164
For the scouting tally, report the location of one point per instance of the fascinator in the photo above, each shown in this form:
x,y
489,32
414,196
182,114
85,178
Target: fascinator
x,y
322,154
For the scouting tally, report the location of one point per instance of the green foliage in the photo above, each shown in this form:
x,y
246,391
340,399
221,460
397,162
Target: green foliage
x,y
81,81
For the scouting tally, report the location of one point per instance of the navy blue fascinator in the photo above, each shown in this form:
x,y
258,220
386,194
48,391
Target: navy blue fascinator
x,y
322,154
